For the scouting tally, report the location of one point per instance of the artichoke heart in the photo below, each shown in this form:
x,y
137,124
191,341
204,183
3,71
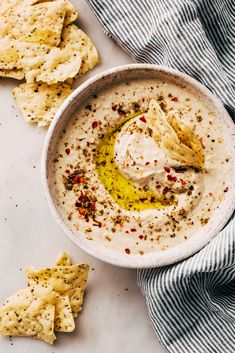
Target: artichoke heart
x,y
175,137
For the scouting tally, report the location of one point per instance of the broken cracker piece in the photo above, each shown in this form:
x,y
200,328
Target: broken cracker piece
x,y
39,102
17,74
63,259
73,36
40,23
29,312
66,280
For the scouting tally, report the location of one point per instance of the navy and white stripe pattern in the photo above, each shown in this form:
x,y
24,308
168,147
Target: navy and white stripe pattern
x,y
192,303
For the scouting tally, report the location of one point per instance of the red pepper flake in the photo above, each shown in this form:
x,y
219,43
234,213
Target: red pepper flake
x,y
114,107
158,186
141,236
98,224
127,250
127,232
75,180
167,169
147,163
174,99
82,180
82,211
94,124
165,190
226,189
171,178
142,199
143,119
155,160
133,230
122,223
183,182
67,150
152,199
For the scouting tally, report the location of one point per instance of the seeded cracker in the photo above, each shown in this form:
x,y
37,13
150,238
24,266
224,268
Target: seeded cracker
x,y
20,55
173,136
73,36
71,13
56,66
9,58
29,312
46,64
5,5
64,321
40,23
32,47
16,74
60,323
66,280
31,57
62,259
39,102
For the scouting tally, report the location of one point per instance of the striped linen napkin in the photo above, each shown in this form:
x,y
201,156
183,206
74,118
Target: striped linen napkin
x,y
192,303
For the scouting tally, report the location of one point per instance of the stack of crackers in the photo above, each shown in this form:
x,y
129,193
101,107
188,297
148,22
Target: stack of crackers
x,y
40,43
50,303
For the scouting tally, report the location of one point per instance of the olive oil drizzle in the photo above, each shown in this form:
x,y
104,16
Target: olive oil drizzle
x,y
124,192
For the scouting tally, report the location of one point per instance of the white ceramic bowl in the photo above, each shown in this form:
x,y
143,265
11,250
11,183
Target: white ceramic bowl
x,y
154,259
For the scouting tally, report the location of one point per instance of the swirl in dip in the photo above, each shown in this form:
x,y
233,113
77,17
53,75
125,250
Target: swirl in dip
x,y
141,166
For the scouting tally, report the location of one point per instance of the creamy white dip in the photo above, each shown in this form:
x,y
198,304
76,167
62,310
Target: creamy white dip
x,y
137,200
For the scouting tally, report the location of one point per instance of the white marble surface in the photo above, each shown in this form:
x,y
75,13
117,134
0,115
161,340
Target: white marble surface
x,y
114,318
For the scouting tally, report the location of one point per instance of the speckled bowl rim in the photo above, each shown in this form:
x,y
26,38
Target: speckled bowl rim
x,y
153,259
